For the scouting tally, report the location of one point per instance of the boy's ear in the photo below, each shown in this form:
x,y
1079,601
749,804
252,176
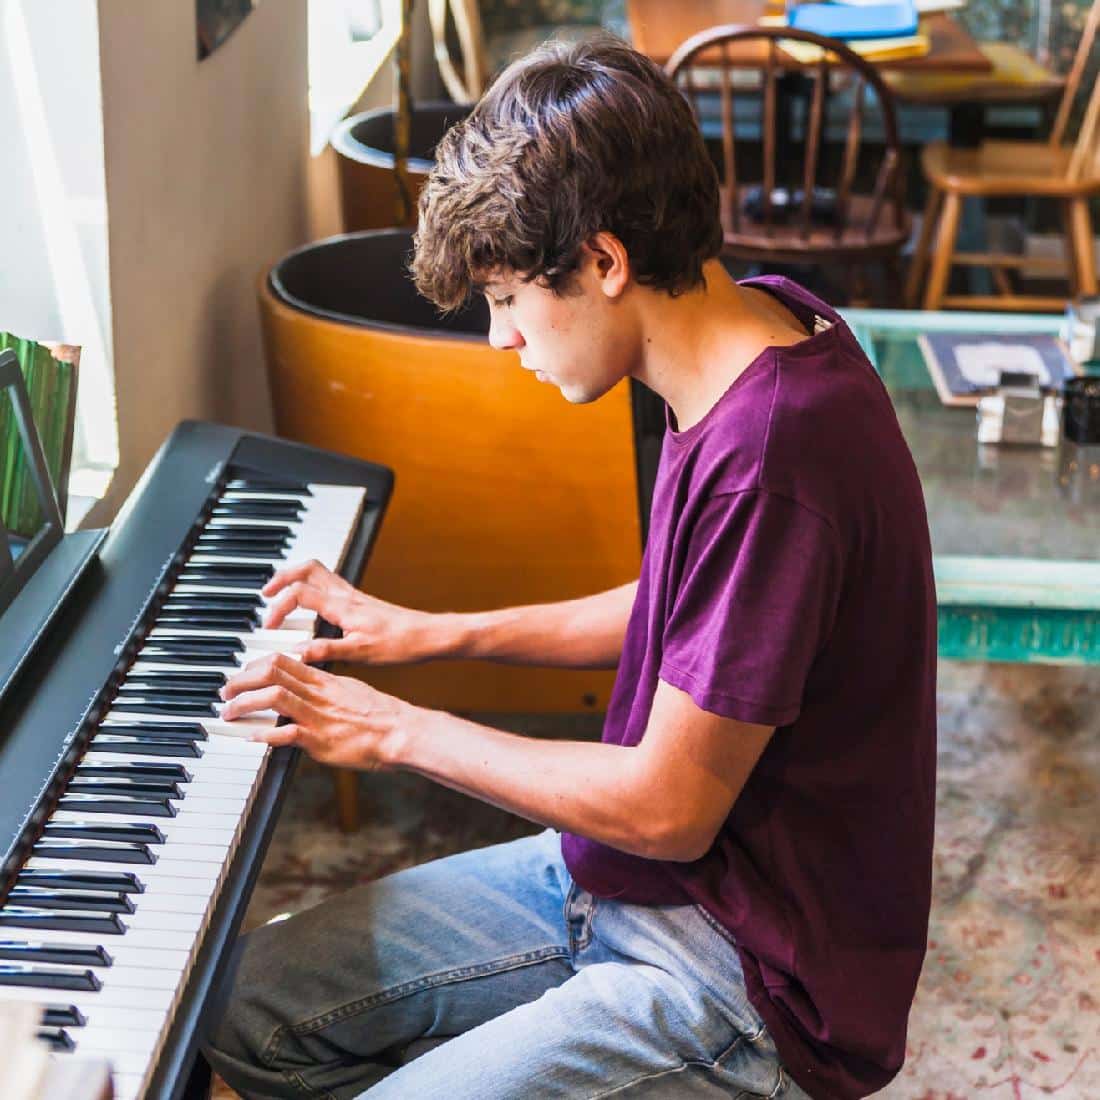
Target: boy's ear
x,y
610,262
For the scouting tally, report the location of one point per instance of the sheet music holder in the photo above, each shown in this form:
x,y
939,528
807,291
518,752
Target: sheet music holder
x,y
39,563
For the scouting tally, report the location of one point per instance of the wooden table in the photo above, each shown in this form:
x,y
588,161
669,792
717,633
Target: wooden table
x,y
657,27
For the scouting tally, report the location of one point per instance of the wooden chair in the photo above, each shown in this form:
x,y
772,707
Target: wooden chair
x,y
826,221
467,86
1053,169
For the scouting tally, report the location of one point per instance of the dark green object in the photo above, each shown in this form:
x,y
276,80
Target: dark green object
x,y
51,387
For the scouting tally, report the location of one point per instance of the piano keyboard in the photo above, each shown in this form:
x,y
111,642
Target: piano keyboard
x,y
108,913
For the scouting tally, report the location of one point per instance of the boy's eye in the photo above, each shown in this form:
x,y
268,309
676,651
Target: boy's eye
x,y
502,302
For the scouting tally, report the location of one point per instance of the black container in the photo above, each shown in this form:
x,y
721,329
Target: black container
x,y
1081,410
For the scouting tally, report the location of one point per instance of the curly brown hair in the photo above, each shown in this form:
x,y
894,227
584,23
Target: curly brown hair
x,y
570,140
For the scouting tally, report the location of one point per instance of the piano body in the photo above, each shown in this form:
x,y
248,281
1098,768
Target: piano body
x,y
132,821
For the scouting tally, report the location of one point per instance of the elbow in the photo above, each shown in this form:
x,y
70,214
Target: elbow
x,y
678,841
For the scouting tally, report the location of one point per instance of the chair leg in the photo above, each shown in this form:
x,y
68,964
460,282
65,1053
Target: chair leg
x,y
895,295
920,252
945,251
1072,274
347,799
1080,228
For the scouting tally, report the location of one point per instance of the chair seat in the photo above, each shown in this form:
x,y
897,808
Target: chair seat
x,y
785,242
1016,78
1005,168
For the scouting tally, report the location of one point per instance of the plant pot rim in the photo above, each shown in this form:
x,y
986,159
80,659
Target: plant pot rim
x,y
347,145
279,291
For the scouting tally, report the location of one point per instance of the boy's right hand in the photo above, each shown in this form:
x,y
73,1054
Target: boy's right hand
x,y
375,632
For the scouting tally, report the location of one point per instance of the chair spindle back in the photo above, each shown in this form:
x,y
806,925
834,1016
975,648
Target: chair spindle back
x,y
739,61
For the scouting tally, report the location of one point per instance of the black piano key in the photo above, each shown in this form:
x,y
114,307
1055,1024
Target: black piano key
x,y
170,678
239,532
238,528
269,500
249,543
68,954
83,900
70,899
37,977
196,646
155,731
257,509
148,805
176,707
101,851
226,575
156,656
188,642
57,1039
185,708
197,693
231,568
133,746
139,770
111,881
263,554
93,784
261,483
59,1015
140,832
25,916
242,624
236,602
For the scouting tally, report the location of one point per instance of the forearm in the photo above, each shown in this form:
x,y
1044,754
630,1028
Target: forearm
x,y
598,790
582,633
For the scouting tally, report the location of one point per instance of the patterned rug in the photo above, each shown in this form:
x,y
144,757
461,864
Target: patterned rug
x,y
1008,1006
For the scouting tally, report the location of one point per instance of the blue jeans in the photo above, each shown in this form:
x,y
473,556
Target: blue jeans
x,y
491,974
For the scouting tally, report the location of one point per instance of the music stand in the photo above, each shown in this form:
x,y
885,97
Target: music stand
x,y
14,571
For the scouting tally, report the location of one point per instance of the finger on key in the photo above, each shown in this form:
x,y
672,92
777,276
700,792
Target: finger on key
x,y
296,595
309,571
275,669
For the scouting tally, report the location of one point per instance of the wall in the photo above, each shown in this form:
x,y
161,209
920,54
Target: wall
x,y
205,167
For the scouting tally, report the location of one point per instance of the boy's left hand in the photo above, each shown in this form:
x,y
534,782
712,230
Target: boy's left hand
x,y
337,719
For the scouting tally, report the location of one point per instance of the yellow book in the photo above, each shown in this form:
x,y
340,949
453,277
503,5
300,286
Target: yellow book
x,y
873,49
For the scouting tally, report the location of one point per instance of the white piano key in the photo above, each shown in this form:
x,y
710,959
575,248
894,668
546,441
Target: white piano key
x,y
103,1038
109,998
161,901
147,873
127,1086
126,957
225,767
224,746
281,641
127,1062
183,830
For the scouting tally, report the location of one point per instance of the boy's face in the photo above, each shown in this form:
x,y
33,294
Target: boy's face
x,y
581,340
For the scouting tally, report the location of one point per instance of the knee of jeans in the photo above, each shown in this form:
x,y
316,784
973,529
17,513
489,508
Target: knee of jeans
x,y
244,1017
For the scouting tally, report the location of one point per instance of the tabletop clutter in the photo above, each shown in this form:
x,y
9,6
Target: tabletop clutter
x,y
1028,388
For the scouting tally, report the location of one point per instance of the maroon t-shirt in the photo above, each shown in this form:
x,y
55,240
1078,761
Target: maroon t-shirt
x,y
787,581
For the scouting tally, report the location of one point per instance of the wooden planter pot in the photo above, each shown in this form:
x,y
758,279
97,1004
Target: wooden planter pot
x,y
364,147
505,493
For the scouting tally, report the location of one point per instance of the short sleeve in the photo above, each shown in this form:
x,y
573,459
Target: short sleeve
x,y
755,603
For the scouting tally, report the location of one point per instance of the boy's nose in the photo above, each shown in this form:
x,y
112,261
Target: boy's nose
x,y
504,336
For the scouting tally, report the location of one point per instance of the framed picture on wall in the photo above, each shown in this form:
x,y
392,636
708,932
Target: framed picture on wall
x,y
216,20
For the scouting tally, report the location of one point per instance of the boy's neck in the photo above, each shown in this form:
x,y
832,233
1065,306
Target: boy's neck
x,y
695,346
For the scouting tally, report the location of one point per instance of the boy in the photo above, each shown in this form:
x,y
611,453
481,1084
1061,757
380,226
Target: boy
x,y
732,895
